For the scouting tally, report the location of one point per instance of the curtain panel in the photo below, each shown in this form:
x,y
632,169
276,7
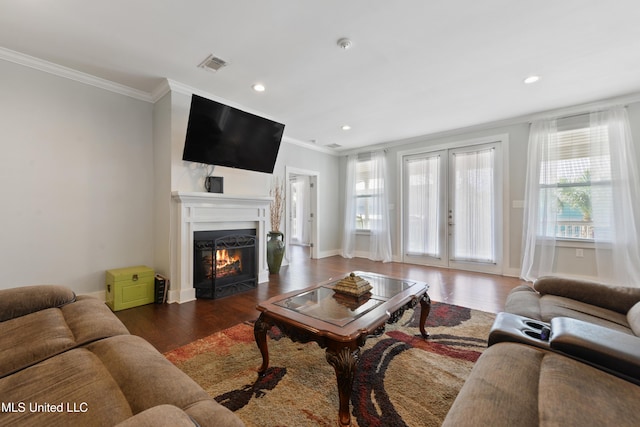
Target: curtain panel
x,y
378,209
601,167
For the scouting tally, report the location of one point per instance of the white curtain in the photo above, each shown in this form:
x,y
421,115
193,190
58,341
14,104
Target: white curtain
x,y
616,232
423,205
473,206
380,237
378,209
349,234
615,197
540,207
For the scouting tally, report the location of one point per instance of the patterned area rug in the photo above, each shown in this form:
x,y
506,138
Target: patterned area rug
x,y
402,379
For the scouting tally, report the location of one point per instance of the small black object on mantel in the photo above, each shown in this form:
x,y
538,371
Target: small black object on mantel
x,y
214,184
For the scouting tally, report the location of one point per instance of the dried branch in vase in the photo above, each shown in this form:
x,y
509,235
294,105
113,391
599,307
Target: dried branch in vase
x,y
277,205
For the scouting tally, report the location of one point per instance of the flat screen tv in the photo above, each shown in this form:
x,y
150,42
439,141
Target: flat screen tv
x,y
218,134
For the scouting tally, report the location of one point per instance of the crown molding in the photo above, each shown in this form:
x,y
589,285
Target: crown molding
x,y
71,74
526,119
311,146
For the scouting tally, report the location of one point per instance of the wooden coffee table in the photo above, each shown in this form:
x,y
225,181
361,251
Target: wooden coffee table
x,y
340,323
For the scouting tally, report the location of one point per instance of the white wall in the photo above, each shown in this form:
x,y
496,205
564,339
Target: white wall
x,y
76,179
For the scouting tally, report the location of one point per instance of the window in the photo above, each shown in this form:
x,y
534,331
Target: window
x,y
367,205
366,188
575,183
582,185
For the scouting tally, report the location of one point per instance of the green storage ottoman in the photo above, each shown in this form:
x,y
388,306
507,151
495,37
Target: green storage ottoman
x,y
130,287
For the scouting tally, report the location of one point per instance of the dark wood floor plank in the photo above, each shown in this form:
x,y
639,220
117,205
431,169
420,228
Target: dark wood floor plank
x,y
168,326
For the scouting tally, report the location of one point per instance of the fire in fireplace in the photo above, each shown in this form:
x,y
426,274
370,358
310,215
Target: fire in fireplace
x,y
228,262
225,262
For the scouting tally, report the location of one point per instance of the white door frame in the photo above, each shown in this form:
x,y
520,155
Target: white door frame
x,y
314,178
503,140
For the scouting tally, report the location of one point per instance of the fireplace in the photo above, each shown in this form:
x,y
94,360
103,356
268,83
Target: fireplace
x,y
200,211
224,262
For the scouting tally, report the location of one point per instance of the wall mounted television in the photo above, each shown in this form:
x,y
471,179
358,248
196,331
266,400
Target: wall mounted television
x,y
218,134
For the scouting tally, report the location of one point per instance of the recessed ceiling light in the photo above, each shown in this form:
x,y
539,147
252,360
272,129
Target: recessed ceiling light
x,y
346,127
258,87
531,79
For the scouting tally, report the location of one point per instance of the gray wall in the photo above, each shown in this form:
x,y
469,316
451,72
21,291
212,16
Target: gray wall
x,y
76,174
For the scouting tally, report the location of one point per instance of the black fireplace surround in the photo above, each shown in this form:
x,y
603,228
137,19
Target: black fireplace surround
x,y
225,262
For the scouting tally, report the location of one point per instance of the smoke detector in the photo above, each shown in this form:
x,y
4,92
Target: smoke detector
x,y
345,43
212,63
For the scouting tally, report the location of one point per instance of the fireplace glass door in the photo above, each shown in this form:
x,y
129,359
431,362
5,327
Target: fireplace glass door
x,y
225,262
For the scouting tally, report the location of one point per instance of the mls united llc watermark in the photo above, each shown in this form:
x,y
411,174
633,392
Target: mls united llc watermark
x,y
64,407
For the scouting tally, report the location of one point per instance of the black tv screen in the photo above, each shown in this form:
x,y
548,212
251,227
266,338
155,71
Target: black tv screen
x,y
218,134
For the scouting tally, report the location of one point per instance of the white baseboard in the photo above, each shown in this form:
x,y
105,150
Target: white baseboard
x,y
327,254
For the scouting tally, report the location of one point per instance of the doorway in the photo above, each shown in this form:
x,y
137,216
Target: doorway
x,y
452,207
301,214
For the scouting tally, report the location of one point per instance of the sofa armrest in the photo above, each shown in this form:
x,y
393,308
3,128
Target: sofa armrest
x,y
616,298
608,349
16,302
161,415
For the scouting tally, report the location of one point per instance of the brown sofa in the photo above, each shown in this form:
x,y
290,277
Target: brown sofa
x,y
67,360
614,307
586,373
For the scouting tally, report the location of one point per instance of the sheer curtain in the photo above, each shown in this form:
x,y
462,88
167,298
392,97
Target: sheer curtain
x,y
616,231
349,233
611,163
380,237
540,213
375,206
473,206
423,176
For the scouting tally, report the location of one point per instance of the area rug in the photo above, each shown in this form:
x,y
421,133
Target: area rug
x,y
402,379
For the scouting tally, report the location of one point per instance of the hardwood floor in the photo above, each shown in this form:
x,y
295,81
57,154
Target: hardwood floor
x,y
168,326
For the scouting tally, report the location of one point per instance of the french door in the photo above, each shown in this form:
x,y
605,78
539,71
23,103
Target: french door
x,y
451,211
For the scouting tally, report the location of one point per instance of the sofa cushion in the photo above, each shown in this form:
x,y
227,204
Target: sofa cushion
x,y
16,302
616,298
520,385
77,380
554,306
163,415
525,301
147,379
28,339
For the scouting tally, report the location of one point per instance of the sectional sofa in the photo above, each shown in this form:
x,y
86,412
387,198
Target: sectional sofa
x,y
565,353
68,360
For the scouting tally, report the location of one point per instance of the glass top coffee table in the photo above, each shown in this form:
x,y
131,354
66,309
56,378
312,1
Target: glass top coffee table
x,y
339,322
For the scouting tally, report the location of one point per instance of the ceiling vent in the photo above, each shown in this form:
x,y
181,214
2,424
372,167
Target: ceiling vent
x,y
212,63
334,146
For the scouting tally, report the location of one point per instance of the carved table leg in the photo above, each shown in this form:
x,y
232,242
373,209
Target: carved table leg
x,y
260,329
425,305
344,362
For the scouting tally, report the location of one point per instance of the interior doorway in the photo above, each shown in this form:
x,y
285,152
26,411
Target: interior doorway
x,y
301,214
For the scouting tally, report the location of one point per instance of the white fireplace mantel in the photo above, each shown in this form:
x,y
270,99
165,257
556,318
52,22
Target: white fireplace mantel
x,y
211,211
